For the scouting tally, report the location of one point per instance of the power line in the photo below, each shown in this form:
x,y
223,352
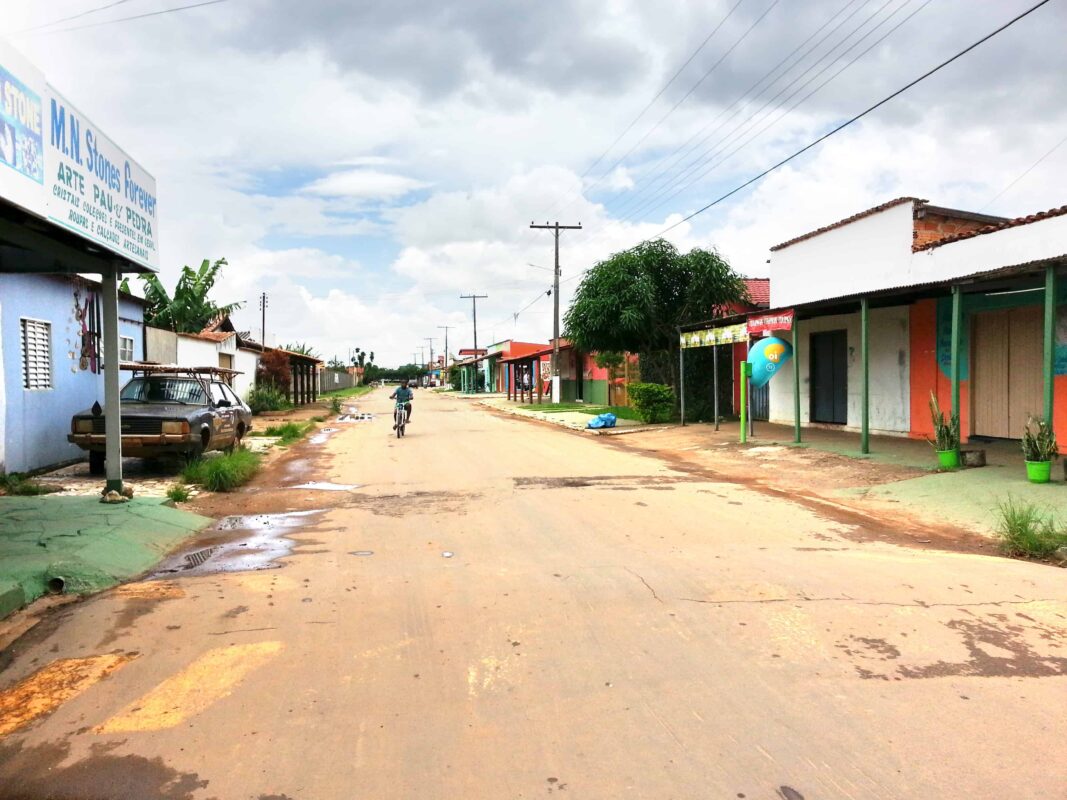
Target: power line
x,y
856,118
1028,170
712,164
134,17
685,97
73,16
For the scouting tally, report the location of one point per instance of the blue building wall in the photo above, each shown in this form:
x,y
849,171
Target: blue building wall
x,y
36,423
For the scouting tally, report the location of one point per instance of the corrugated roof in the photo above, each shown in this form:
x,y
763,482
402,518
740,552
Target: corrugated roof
x,y
1009,223
848,220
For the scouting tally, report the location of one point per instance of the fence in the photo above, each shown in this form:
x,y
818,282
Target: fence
x,y
333,380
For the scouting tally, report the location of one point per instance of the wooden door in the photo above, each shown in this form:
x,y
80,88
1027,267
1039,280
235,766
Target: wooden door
x,y
1026,381
1006,377
829,377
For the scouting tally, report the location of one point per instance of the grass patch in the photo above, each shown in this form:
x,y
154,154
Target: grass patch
x,y
354,391
16,484
289,432
317,419
1025,530
223,473
335,405
178,493
622,412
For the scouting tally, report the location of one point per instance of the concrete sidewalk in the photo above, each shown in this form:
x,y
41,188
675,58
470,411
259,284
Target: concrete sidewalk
x,y
79,545
575,420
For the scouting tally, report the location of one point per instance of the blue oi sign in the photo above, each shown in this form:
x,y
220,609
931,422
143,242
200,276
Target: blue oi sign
x,y
768,356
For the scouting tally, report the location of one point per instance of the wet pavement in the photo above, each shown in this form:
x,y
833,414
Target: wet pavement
x,y
498,609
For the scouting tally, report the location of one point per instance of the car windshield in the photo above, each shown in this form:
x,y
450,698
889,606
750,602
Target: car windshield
x,y
163,389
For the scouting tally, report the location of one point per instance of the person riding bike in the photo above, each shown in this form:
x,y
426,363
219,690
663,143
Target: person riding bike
x,y
403,395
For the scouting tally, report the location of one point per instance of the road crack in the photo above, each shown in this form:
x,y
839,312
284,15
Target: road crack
x,y
646,583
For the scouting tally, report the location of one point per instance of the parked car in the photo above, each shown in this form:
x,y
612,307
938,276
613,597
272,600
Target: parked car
x,y
168,410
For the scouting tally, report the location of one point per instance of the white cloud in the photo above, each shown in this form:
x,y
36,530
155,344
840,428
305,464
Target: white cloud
x,y
364,184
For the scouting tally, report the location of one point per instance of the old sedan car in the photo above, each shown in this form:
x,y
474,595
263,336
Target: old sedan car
x,y
168,410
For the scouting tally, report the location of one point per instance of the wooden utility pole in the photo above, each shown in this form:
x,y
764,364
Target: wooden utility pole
x,y
556,228
263,319
430,340
444,369
474,298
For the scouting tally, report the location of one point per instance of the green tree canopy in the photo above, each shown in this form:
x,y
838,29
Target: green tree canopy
x,y
190,310
635,300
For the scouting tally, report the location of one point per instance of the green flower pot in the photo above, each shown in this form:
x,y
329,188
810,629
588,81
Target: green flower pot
x,y
948,459
1038,471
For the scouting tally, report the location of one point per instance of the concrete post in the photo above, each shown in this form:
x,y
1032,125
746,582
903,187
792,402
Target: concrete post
x,y
796,378
109,287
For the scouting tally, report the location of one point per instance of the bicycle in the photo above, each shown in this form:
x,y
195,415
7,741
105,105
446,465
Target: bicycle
x,y
400,417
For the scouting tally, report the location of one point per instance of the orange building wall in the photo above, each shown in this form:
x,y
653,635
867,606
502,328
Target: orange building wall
x,y
927,377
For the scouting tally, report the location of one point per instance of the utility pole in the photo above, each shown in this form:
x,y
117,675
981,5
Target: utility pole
x,y
444,369
430,340
474,298
556,228
263,322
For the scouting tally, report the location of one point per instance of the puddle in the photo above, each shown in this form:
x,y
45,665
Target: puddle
x,y
322,435
447,554
239,544
326,486
354,416
361,553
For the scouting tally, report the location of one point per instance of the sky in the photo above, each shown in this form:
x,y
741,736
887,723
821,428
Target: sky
x,y
366,163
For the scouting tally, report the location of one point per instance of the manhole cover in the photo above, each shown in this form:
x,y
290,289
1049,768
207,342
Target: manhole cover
x,y
199,557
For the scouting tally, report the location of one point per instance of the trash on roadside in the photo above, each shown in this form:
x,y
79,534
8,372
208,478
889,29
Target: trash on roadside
x,y
602,421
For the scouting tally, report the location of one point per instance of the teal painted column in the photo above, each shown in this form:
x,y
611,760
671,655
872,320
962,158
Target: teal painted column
x,y
865,387
796,379
1050,341
745,370
954,370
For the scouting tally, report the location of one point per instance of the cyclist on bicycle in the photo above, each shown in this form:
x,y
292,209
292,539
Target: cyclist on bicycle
x,y
403,395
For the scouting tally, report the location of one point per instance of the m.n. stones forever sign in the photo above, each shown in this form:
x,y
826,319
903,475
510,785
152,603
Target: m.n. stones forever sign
x,y
56,164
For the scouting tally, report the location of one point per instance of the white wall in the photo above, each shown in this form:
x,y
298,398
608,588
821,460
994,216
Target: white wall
x,y
868,254
197,352
246,361
3,391
890,378
1005,248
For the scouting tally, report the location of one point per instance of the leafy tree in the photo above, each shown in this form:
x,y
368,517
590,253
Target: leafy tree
x,y
335,363
190,309
274,370
635,301
302,348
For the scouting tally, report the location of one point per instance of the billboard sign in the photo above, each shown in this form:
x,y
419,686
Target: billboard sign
x,y
727,334
55,163
779,321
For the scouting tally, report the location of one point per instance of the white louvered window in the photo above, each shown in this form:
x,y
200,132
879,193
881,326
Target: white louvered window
x,y
125,348
36,354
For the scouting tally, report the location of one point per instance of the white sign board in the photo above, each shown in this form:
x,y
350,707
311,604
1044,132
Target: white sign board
x,y
55,163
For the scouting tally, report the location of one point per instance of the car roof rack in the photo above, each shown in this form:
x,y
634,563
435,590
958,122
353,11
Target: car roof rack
x,y
153,368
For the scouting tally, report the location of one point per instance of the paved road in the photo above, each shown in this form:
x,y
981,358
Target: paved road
x,y
605,627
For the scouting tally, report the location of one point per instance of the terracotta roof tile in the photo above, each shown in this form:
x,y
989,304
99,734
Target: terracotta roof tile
x,y
759,291
1010,223
848,220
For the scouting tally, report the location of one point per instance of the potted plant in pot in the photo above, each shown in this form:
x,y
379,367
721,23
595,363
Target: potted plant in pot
x,y
946,439
1039,449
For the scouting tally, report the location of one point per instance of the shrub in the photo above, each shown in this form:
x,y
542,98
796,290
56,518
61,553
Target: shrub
x,y
266,398
1026,530
335,405
274,370
1039,445
223,473
946,434
178,493
654,402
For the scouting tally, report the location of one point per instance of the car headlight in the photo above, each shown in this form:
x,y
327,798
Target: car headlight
x,y
173,426
83,426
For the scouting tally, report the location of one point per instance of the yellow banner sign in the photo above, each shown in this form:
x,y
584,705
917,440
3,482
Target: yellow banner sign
x,y
727,334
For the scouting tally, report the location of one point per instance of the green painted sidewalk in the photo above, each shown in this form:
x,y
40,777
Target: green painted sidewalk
x,y
81,544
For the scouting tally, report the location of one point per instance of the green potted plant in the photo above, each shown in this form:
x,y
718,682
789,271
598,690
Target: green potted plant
x,y
946,439
1039,450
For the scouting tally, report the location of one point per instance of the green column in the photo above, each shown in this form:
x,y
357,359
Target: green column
x,y
865,387
1050,341
746,370
954,372
796,379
